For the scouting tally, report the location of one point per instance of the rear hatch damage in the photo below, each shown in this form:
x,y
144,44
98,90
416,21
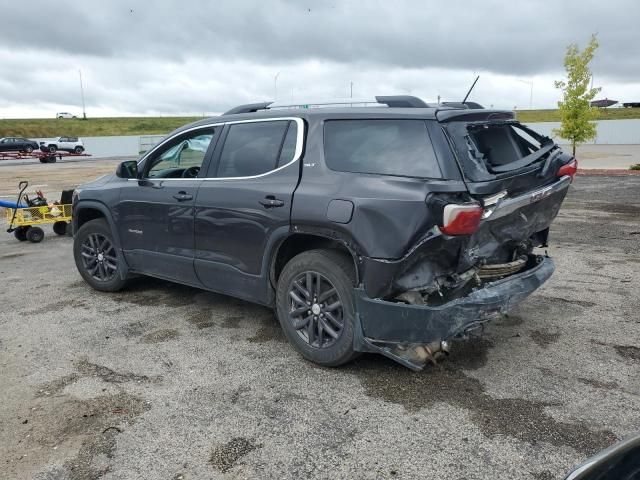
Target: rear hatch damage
x,y
479,260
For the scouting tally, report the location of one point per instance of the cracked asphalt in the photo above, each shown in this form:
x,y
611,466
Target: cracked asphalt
x,y
170,382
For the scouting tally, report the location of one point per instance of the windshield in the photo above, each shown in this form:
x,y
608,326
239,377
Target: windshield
x,y
492,149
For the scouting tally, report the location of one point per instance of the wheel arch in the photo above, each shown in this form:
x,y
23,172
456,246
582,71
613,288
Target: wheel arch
x,y
87,210
296,243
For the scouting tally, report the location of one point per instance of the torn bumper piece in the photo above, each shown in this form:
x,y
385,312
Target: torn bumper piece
x,y
383,324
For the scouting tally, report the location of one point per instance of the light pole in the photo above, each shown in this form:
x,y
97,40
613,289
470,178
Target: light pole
x,y
84,113
351,90
275,86
530,83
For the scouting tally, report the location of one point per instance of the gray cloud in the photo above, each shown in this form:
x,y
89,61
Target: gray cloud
x,y
175,55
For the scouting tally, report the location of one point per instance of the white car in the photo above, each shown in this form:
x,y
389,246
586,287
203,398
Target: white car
x,y
65,115
66,144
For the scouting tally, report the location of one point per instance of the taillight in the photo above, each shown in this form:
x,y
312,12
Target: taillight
x,y
461,219
569,169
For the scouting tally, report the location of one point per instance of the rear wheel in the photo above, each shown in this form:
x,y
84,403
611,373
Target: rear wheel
x,y
97,258
78,149
53,148
60,228
35,234
20,233
28,149
315,304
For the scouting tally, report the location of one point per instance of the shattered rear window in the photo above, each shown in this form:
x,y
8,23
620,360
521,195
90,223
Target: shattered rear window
x,y
497,148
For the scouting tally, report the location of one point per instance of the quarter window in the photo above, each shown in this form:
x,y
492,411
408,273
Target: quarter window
x,y
385,147
253,148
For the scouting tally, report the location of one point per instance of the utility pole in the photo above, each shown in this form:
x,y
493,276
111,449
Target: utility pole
x,y
84,112
351,90
275,86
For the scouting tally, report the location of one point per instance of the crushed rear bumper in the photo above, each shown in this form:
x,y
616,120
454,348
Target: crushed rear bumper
x,y
383,322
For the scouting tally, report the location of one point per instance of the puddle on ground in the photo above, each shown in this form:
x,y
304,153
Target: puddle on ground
x,y
628,351
544,338
160,336
111,376
225,456
269,329
447,383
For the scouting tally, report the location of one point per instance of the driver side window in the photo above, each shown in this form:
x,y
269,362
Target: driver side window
x,y
183,157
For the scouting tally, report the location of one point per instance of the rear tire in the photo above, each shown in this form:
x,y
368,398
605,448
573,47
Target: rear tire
x,y
78,150
35,234
20,233
320,282
28,149
60,228
53,149
97,257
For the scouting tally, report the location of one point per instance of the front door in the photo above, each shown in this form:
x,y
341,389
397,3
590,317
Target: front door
x,y
156,212
246,205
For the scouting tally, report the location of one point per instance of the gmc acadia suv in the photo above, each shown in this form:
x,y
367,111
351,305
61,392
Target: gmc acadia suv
x,y
389,229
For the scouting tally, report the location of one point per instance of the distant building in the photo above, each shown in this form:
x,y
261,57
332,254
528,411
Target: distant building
x,y
603,103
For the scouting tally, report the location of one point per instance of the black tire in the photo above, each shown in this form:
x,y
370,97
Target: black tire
x,y
28,149
20,233
60,228
78,150
35,234
52,149
332,270
43,160
52,159
100,264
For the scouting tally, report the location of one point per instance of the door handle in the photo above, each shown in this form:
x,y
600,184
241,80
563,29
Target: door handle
x,y
271,201
182,196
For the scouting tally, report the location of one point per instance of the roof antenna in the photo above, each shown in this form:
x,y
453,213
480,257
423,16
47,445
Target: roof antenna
x,y
469,92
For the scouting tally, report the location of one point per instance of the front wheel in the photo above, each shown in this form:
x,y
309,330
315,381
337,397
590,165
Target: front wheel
x,y
315,304
97,258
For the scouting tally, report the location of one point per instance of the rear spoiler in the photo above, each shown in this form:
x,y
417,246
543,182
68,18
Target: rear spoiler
x,y
473,115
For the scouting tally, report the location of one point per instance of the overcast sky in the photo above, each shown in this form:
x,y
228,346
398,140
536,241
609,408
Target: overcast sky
x,y
202,57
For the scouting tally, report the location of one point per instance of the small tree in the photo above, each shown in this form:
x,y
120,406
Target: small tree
x,y
575,108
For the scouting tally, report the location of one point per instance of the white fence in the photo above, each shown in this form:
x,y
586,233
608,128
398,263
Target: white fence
x,y
609,132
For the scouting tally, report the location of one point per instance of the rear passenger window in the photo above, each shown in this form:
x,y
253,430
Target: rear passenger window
x,y
251,148
386,147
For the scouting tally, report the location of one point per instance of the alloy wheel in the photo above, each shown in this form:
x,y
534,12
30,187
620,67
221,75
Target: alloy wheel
x,y
99,257
315,309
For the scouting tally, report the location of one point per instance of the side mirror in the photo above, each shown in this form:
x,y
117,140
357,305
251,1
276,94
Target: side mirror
x,y
128,169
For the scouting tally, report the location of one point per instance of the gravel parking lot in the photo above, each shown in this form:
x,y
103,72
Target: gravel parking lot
x,y
168,382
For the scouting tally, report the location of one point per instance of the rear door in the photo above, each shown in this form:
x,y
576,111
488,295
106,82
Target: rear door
x,y
244,205
155,214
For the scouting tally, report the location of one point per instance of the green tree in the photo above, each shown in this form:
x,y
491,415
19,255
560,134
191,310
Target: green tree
x,y
575,108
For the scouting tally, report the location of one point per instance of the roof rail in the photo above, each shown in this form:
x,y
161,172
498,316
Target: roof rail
x,y
401,101
248,108
393,101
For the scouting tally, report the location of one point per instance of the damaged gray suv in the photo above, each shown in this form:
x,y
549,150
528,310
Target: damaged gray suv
x,y
392,228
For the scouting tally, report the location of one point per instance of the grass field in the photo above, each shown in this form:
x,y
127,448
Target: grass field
x,y
95,127
532,116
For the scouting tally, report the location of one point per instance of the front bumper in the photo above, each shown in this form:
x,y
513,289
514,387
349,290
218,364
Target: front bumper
x,y
382,321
